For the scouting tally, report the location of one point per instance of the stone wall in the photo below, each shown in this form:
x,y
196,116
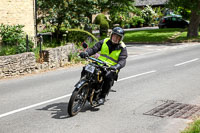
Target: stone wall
x,y
21,12
57,57
19,64
25,63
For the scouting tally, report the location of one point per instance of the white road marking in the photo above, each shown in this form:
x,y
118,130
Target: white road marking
x,y
68,95
131,56
32,106
136,75
186,62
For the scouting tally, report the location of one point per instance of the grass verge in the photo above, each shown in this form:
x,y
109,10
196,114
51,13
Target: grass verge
x,y
158,36
150,36
193,127
183,38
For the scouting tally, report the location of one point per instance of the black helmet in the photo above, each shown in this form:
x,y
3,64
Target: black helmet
x,y
119,31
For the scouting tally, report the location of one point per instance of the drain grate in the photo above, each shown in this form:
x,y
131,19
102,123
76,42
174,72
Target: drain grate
x,y
175,110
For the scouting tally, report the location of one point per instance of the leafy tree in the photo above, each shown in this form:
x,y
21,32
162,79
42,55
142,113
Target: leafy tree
x,y
194,7
115,5
117,9
66,13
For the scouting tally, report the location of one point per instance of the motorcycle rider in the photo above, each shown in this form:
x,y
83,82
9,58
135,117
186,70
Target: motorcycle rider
x,y
113,51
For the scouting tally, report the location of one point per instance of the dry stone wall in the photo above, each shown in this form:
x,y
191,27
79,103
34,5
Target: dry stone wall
x,y
17,64
25,63
58,57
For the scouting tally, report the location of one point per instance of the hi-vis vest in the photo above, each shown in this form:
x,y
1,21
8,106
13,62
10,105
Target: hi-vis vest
x,y
110,58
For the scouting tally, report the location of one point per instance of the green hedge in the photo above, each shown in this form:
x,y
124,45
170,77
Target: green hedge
x,y
103,22
77,36
99,18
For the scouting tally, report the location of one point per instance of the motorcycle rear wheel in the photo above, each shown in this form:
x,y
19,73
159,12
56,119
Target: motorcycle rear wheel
x,y
78,99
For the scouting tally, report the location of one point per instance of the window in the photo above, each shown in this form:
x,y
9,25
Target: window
x,y
174,19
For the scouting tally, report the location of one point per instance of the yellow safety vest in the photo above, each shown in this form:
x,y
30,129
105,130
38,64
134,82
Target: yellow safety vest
x,y
110,58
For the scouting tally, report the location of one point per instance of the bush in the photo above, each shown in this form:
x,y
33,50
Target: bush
x,y
99,18
78,36
11,35
13,40
148,14
8,50
137,21
104,27
103,22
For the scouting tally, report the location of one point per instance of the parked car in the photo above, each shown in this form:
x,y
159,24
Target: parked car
x,y
172,22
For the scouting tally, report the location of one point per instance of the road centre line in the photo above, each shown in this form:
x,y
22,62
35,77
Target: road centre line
x,y
34,105
65,96
179,64
145,73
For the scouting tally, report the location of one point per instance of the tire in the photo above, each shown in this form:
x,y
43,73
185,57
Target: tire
x,y
78,99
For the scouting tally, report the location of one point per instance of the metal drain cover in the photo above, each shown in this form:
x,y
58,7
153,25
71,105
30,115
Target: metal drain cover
x,y
174,110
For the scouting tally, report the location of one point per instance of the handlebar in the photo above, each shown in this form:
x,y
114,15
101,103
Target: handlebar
x,y
97,60
105,65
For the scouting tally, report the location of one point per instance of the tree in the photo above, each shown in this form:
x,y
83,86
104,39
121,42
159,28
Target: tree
x,y
117,9
115,5
66,13
194,7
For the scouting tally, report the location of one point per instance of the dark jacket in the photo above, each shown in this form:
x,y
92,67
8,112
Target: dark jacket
x,y
122,57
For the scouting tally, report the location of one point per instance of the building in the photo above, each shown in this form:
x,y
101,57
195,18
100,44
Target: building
x,y
22,12
153,3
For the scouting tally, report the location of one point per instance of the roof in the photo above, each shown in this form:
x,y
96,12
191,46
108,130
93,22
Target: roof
x,y
150,2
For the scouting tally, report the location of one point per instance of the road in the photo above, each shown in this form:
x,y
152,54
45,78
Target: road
x,y
153,75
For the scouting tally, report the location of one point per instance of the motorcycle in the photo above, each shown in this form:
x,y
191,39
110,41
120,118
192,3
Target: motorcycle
x,y
89,87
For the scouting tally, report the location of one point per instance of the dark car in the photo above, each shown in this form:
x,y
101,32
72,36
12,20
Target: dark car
x,y
172,22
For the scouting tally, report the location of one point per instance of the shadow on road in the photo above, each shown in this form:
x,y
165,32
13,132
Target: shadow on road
x,y
59,110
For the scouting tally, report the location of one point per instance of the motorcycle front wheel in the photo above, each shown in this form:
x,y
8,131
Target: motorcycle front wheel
x,y
78,99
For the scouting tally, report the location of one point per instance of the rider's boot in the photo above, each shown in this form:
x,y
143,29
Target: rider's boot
x,y
101,101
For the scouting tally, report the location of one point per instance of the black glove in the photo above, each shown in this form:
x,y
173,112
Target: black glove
x,y
115,67
83,54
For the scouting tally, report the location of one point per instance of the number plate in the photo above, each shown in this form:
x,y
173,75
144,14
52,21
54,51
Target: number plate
x,y
90,68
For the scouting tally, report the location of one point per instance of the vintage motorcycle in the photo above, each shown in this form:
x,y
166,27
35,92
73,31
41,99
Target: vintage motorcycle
x,y
89,87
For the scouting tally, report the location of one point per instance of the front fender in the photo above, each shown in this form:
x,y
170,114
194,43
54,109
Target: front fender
x,y
80,83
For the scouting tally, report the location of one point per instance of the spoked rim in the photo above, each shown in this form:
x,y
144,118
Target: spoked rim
x,y
80,99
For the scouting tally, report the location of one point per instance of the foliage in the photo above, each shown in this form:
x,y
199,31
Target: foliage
x,y
159,14
137,21
104,26
11,35
149,15
119,11
56,14
13,39
99,18
78,36
185,13
114,6
188,6
193,128
103,22
7,50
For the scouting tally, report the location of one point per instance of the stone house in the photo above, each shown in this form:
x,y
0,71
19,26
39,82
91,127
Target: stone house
x,y
13,12
153,3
